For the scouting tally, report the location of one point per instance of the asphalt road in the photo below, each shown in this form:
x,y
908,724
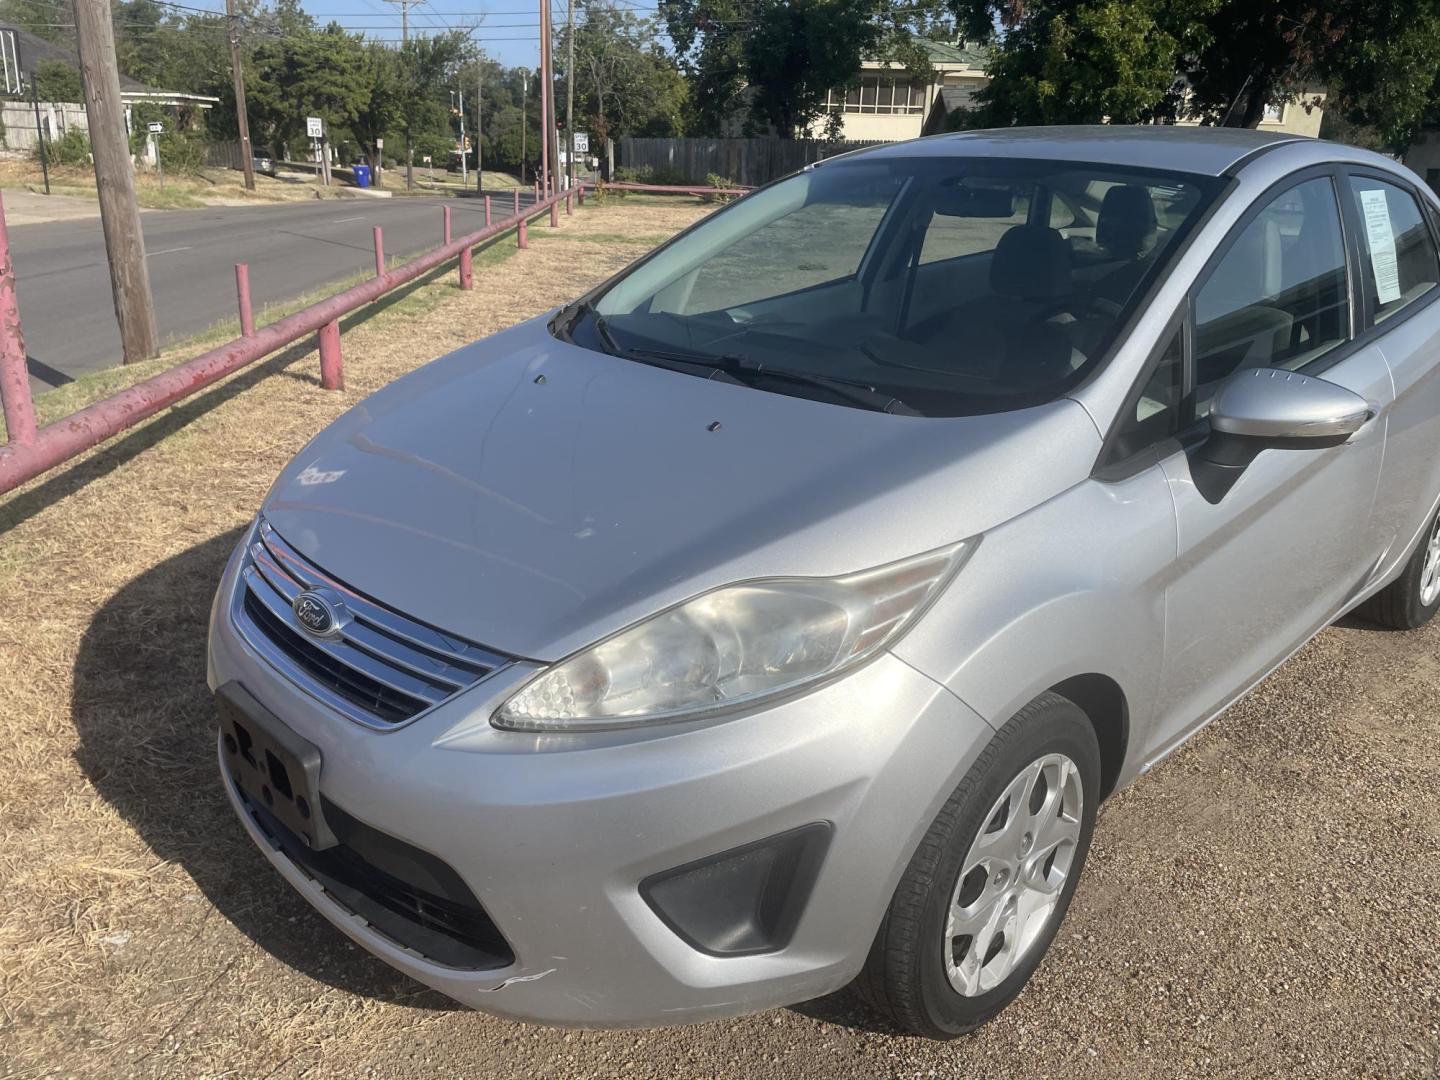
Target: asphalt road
x,y
66,308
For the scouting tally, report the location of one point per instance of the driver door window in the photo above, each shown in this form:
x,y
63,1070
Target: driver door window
x,y
1280,296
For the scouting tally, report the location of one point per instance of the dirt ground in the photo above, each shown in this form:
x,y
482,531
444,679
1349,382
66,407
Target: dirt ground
x,y
1265,903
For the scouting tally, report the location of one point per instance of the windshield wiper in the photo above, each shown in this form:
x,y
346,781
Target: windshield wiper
x,y
743,370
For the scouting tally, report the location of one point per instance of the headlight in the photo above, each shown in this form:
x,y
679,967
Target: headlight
x,y
737,645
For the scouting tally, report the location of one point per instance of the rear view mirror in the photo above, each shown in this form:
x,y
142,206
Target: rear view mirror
x,y
1272,409
960,200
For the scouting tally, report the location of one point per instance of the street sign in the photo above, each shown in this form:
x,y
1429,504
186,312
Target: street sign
x,y
155,129
427,160
379,144
314,127
582,142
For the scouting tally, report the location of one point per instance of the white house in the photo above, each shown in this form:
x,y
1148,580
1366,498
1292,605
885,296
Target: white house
x,y
888,103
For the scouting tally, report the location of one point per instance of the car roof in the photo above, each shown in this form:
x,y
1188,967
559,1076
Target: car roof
x,y
1209,151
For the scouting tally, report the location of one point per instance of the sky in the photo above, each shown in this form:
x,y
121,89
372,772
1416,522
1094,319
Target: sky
x,y
508,30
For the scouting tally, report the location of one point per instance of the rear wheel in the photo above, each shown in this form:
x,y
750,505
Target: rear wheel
x,y
1411,600
990,883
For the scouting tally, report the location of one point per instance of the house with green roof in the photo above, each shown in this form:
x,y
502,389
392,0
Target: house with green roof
x,y
886,102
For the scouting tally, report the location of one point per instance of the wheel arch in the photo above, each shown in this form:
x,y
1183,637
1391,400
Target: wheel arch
x,y
1103,702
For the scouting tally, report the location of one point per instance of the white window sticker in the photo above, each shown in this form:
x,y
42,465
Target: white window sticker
x,y
1382,245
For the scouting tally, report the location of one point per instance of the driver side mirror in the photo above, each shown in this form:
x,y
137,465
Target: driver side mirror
x,y
1272,409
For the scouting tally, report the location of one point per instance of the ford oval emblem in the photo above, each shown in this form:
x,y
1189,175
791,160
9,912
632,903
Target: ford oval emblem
x,y
319,611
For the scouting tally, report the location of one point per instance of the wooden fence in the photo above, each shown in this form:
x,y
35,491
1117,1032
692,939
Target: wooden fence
x,y
56,118
224,154
749,162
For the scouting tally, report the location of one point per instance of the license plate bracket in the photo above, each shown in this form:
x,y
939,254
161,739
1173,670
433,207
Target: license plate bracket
x,y
276,768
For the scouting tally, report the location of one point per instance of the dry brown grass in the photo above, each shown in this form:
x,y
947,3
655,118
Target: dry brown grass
x,y
177,191
1263,904
128,896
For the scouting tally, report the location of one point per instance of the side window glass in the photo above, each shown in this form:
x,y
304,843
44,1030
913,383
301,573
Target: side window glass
x,y
1157,412
1279,297
1397,243
1062,214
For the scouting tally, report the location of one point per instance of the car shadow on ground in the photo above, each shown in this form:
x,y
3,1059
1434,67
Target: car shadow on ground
x,y
147,731
147,743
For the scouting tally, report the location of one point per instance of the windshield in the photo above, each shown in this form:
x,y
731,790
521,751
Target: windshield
x,y
939,286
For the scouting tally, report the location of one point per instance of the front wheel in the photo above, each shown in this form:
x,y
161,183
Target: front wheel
x,y
990,883
1411,600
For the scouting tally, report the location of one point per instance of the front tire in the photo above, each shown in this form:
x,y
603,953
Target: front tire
x,y
1411,600
992,879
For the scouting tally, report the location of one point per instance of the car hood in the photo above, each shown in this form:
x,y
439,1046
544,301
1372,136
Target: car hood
x,y
534,496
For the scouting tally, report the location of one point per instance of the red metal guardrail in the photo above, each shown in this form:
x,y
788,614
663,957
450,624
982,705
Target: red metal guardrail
x,y
31,451
675,189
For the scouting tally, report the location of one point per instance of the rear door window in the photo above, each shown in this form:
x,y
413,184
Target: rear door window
x,y
1401,264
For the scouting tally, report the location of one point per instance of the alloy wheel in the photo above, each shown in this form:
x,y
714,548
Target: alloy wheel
x,y
1430,573
1010,881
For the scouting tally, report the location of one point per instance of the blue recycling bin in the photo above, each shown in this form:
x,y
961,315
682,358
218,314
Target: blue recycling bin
x,y
362,175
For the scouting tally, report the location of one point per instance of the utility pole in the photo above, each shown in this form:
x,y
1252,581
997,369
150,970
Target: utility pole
x,y
464,175
115,179
40,133
524,120
237,72
569,93
552,135
479,126
405,38
547,92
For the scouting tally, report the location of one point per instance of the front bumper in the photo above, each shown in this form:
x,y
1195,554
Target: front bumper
x,y
555,835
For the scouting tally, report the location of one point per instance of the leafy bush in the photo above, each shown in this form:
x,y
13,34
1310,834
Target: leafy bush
x,y
439,147
72,148
646,174
182,153
58,80
715,180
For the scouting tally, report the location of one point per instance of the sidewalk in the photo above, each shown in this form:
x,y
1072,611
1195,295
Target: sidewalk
x,y
23,207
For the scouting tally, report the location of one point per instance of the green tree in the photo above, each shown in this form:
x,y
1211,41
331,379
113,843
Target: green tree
x,y
55,80
308,73
501,118
171,50
1079,63
1070,61
380,107
43,18
625,81
784,56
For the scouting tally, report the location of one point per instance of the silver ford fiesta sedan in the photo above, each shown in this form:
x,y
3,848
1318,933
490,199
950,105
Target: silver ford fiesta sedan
x,y
777,615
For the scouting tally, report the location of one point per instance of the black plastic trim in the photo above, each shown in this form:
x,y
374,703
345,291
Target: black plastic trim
x,y
685,896
412,897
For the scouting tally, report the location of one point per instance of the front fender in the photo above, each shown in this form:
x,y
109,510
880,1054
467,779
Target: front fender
x,y
1075,586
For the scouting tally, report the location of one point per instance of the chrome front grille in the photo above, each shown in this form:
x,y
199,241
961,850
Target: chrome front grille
x,y
379,668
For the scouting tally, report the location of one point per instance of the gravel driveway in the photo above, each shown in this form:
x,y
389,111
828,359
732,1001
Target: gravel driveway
x,y
1265,903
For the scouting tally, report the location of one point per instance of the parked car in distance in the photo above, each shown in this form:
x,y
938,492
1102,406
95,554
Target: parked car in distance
x,y
261,164
777,615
